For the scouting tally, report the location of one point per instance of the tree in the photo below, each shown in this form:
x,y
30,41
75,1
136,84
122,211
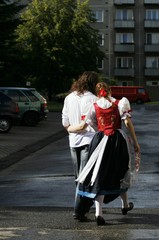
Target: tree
x,y
58,42
8,24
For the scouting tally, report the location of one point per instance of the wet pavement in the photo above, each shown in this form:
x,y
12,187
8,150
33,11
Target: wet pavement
x,y
58,224
37,192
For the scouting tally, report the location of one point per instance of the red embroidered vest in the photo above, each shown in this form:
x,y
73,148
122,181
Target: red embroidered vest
x,y
108,119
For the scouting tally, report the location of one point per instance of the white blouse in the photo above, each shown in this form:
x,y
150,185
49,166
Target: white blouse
x,y
123,106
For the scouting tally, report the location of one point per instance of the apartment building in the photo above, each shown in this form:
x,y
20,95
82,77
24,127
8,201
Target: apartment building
x,y
129,36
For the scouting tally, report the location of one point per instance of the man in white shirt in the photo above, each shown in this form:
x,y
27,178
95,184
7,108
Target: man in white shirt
x,y
77,108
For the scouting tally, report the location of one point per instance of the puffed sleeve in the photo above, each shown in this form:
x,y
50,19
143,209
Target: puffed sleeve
x,y
124,108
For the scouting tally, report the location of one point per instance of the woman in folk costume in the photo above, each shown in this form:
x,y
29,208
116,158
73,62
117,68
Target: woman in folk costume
x,y
107,172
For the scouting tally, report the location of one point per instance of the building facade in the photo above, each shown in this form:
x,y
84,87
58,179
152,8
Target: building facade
x,y
129,37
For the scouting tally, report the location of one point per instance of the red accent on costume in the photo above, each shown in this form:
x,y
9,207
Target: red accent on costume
x,y
83,117
102,93
108,119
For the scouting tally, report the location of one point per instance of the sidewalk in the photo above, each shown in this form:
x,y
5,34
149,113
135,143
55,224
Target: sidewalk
x,y
23,140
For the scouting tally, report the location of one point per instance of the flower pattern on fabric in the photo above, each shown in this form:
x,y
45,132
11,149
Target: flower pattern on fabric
x,y
101,120
113,117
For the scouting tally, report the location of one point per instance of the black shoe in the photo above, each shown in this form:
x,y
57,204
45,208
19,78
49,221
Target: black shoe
x,y
100,221
80,218
125,210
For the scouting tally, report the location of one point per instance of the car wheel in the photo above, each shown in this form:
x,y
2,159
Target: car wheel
x,y
139,101
5,124
31,119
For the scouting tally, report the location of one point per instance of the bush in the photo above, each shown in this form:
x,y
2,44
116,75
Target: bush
x,y
55,106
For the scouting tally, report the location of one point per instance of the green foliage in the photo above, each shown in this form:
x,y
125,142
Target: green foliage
x,y
57,42
8,23
113,82
55,106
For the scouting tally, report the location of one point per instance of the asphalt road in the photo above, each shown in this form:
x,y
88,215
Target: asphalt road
x,y
37,192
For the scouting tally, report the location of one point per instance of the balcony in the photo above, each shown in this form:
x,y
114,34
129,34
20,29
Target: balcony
x,y
152,72
124,23
125,47
152,48
151,2
151,23
120,2
127,72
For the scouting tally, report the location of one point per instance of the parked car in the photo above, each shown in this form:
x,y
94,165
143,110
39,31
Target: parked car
x,y
44,106
31,108
135,94
9,113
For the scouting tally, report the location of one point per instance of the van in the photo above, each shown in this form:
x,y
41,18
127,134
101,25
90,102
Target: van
x,y
135,94
31,108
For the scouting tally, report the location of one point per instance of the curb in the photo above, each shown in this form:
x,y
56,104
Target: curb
x,y
28,149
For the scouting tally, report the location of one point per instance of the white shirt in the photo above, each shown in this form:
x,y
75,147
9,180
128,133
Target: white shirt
x,y
74,107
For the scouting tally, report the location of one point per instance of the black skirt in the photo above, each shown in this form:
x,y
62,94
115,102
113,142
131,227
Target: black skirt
x,y
114,166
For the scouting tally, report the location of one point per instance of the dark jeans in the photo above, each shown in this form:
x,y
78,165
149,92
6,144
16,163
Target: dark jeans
x,y
79,157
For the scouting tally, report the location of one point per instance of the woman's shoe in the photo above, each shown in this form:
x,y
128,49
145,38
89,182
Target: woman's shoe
x,y
100,220
125,210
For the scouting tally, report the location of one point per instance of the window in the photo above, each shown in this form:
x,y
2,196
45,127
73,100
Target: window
x,y
124,62
126,83
31,96
100,64
141,90
4,98
124,14
152,14
152,62
152,83
124,38
99,15
152,38
17,96
101,39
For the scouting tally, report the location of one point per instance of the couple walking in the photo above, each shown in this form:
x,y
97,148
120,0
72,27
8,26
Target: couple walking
x,y
99,148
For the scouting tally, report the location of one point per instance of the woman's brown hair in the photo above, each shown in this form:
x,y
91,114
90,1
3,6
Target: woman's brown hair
x,y
86,82
103,86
